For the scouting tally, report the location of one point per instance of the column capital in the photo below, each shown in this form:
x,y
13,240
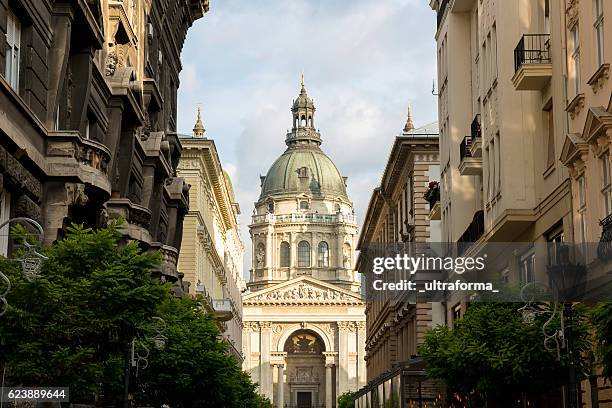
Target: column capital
x,y
277,358
331,358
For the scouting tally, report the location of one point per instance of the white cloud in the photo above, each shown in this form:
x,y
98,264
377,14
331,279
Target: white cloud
x,y
364,62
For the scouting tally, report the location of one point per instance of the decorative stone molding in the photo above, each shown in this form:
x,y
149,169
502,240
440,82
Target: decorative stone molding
x,y
575,106
304,291
345,326
17,174
599,78
572,13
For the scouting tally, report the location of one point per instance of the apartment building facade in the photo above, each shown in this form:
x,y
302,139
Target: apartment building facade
x,y
586,150
525,162
212,251
88,117
403,209
501,180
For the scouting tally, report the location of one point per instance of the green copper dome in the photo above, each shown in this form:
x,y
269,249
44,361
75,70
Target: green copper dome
x,y
303,170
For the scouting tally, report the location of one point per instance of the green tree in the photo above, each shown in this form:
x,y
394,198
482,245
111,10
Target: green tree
x,y
601,316
346,400
492,354
194,369
71,327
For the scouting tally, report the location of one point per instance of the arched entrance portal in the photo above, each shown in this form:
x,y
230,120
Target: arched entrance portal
x,y
305,381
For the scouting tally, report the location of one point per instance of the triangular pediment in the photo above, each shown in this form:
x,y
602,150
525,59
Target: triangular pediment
x,y
573,147
598,119
303,290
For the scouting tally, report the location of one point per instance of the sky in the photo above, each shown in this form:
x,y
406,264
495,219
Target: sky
x,y
364,62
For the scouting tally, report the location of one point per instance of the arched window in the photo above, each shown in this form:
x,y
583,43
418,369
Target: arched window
x,y
285,254
303,120
303,254
271,207
323,255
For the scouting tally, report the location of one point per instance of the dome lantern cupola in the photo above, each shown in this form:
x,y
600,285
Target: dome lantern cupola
x,y
303,112
198,129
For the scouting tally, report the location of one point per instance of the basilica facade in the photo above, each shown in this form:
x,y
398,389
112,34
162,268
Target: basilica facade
x,y
304,322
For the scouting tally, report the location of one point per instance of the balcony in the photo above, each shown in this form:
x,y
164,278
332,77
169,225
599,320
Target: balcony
x,y
137,218
441,11
476,131
604,248
432,195
304,217
70,155
223,309
472,234
532,63
469,165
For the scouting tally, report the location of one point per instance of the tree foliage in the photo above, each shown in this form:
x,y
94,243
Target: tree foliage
x,y
194,369
73,327
601,316
492,353
70,326
346,400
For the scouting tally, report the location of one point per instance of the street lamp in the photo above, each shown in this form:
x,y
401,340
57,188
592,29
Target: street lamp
x,y
141,362
568,281
31,260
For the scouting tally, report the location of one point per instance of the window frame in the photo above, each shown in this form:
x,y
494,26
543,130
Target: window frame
x,y
598,25
5,215
285,254
13,50
575,35
606,178
304,256
323,254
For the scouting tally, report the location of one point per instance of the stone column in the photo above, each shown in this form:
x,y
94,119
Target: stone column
x,y
342,374
266,369
278,359
328,386
280,398
361,363
330,360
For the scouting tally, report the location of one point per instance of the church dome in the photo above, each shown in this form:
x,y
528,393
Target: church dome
x,y
303,170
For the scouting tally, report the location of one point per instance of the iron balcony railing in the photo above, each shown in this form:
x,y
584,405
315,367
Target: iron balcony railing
x,y
464,148
476,130
604,248
299,217
532,49
473,232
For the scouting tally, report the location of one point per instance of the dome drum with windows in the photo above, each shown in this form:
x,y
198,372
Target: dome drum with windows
x,y
303,222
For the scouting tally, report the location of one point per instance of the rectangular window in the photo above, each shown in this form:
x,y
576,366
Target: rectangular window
x,y
582,208
576,58
599,32
546,16
498,167
606,190
5,214
13,47
550,136
527,267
